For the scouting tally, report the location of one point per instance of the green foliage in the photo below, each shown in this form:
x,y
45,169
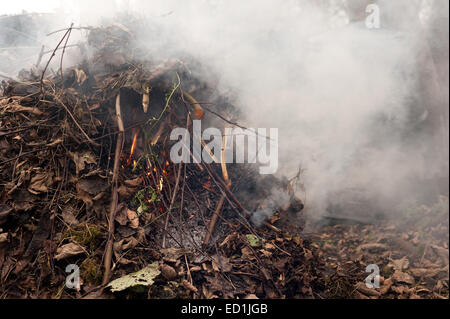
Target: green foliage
x,y
145,196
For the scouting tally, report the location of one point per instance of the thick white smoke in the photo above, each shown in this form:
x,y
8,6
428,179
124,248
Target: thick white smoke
x,y
344,97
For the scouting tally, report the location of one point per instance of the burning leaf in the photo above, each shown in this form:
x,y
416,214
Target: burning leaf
x,y
68,250
143,277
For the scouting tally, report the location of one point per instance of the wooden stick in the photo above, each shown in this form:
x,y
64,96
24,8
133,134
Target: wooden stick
x,y
114,197
212,223
198,110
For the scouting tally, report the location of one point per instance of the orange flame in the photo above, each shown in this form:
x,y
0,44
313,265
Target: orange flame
x,y
133,145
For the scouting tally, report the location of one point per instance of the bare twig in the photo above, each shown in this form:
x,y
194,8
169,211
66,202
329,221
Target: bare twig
x,y
51,57
216,214
114,197
40,57
62,56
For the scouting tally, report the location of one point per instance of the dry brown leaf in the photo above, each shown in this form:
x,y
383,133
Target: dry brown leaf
x,y
81,160
19,108
361,287
121,214
92,185
125,192
68,216
387,284
403,277
3,238
133,182
372,247
133,218
425,272
124,244
175,253
401,289
68,250
168,272
186,284
41,182
400,264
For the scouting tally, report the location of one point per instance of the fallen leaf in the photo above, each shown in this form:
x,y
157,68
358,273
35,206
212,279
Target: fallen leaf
x,y
253,240
81,160
424,272
13,108
387,284
133,218
186,284
3,238
361,287
68,216
400,264
168,272
121,214
68,250
92,185
143,277
41,182
133,182
175,253
403,277
373,247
